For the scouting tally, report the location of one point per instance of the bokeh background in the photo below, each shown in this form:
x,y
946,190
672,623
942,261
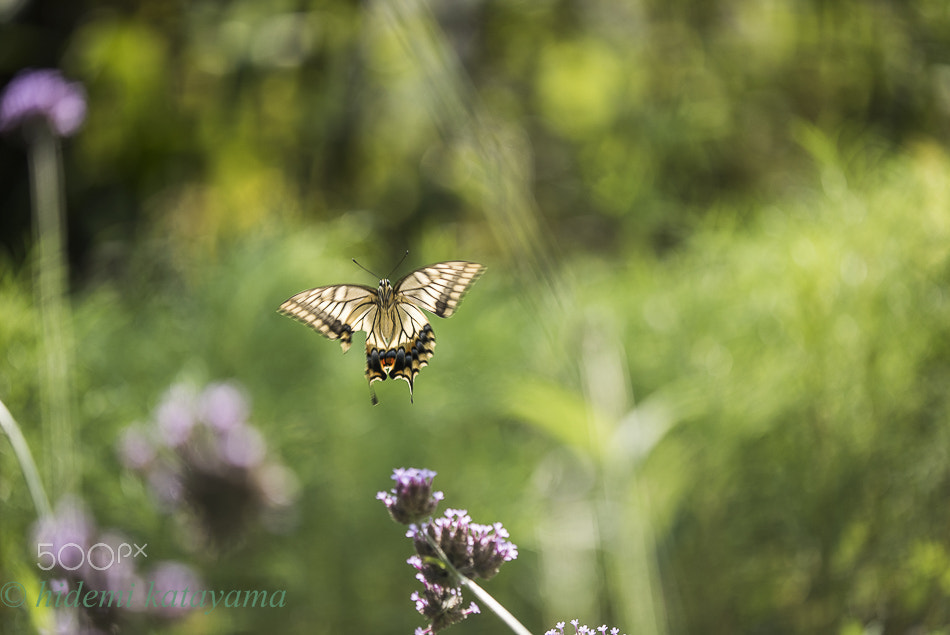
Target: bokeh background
x,y
703,383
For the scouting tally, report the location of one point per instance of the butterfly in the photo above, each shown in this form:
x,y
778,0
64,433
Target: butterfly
x,y
399,339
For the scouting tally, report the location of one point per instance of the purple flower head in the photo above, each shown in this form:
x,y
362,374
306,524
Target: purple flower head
x,y
490,549
175,415
412,499
441,605
89,559
242,446
166,485
173,586
476,551
43,95
135,448
110,568
67,533
204,457
223,406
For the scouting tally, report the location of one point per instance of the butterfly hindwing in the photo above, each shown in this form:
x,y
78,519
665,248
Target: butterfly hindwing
x,y
407,353
334,311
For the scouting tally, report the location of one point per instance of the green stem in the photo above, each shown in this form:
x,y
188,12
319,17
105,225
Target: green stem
x,y
23,455
494,605
51,277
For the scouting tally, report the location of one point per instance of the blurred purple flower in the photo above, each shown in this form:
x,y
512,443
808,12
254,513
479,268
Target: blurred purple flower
x,y
166,485
203,454
175,415
242,446
43,95
95,561
135,448
223,406
173,577
412,499
69,525
114,571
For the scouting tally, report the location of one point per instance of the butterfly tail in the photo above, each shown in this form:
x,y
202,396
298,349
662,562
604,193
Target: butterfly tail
x,y
372,395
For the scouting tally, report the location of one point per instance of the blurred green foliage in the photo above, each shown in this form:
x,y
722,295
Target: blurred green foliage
x,y
703,382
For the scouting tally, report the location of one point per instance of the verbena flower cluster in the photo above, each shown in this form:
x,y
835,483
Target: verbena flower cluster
x,y
476,551
80,559
200,453
412,498
473,550
45,96
580,629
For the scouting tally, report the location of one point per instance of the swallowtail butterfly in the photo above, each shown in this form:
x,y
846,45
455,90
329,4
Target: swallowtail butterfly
x,y
399,339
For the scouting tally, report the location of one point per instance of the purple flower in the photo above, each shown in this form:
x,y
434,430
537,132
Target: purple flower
x,y
242,446
135,448
67,532
476,551
581,629
472,550
95,560
43,95
173,585
166,485
412,499
203,455
441,606
223,406
175,415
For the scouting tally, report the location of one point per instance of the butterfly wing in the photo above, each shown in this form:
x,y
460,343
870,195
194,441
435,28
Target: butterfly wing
x,y
335,311
439,288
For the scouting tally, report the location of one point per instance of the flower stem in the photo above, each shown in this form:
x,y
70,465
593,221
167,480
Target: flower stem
x,y
496,607
51,281
22,451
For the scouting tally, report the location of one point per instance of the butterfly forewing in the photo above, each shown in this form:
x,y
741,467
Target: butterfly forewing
x,y
440,287
399,339
335,311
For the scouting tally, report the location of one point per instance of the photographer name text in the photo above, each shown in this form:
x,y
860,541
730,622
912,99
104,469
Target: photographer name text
x,y
13,594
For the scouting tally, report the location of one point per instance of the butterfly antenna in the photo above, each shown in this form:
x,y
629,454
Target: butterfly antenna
x,y
365,269
401,260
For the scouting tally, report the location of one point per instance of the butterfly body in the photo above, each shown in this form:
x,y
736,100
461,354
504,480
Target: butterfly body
x,y
399,338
